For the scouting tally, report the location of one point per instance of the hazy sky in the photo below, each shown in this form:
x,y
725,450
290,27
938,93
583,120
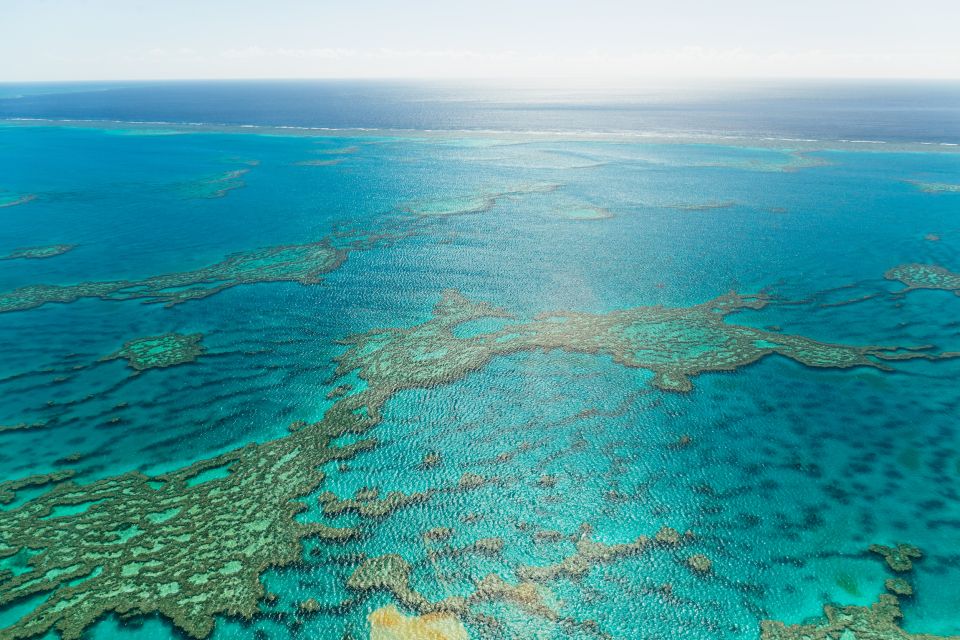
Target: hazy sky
x,y
130,39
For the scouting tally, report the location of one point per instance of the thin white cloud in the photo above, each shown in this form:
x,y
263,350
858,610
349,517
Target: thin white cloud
x,y
685,61
65,40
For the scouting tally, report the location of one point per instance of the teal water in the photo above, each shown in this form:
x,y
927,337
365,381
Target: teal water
x,y
790,473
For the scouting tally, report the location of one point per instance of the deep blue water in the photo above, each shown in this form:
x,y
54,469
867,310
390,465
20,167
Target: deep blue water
x,y
857,110
791,473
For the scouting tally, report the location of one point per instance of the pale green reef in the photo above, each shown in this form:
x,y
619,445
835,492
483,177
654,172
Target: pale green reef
x,y
192,544
473,203
319,163
674,343
925,276
34,253
579,210
794,161
880,621
218,186
160,351
351,149
936,187
706,206
303,263
21,426
8,199
189,551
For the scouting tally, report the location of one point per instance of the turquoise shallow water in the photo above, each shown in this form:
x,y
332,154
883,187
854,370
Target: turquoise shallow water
x,y
790,471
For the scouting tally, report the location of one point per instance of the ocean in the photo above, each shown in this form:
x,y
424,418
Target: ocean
x,y
394,360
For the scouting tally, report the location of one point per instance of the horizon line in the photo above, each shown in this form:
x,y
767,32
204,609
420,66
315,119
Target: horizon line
x,y
539,79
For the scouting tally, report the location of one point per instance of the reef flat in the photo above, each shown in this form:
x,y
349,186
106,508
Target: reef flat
x,y
8,199
9,488
303,263
528,590
925,276
178,545
319,163
936,187
192,544
789,162
21,426
36,253
575,210
348,150
160,351
218,186
880,621
473,203
387,623
674,343
707,206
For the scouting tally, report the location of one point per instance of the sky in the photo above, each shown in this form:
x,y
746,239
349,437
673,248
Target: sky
x,y
53,40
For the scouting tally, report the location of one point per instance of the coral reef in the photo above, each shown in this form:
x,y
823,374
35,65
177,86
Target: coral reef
x,y
880,621
192,544
471,481
160,351
35,253
8,199
474,203
682,442
898,587
493,588
303,263
172,544
482,546
22,426
587,555
925,276
706,206
368,503
788,163
667,535
218,186
899,558
338,150
310,605
391,573
700,563
319,163
935,187
674,343
387,623
438,534
9,488
574,209
430,460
